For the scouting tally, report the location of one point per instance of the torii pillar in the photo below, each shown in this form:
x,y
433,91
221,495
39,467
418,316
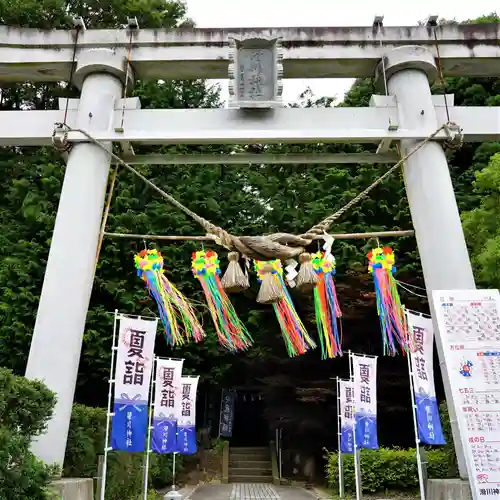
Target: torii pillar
x,y
434,212
57,338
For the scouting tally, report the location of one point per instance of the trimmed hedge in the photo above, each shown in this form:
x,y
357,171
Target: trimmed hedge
x,y
387,469
25,407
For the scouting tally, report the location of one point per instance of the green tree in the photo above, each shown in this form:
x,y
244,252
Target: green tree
x,y
481,225
244,200
25,407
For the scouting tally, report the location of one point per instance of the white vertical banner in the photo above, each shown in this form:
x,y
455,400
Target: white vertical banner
x,y
468,327
346,394
167,405
365,400
134,364
422,373
186,428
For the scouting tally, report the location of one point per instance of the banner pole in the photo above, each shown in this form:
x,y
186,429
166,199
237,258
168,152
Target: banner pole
x,y
173,470
339,436
150,426
109,413
415,428
357,462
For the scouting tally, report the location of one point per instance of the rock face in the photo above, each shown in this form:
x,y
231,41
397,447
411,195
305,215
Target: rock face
x,y
73,489
442,489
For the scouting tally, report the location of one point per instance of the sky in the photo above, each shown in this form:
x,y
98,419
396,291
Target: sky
x,y
292,13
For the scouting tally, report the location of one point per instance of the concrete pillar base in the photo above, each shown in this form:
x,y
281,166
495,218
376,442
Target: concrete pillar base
x,y
448,489
72,489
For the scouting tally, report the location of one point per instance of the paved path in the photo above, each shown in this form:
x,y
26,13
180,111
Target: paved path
x,y
249,492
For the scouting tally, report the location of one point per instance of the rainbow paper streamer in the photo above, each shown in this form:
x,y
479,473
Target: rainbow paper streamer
x,y
326,305
172,305
389,308
231,332
294,333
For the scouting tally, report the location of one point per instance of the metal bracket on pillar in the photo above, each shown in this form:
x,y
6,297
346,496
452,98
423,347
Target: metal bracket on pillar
x,y
255,73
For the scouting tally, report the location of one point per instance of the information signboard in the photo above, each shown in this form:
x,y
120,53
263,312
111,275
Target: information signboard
x,y
469,328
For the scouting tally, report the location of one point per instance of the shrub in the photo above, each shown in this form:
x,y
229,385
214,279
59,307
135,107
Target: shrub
x,y
387,469
450,448
25,407
85,441
125,470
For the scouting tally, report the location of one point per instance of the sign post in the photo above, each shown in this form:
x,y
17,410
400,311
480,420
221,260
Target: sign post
x,y
226,417
468,324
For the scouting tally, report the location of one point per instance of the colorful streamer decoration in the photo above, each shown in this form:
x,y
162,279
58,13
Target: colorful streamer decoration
x,y
231,331
294,334
326,305
172,305
389,308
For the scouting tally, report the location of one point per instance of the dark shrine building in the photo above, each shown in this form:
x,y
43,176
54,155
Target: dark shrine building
x,y
238,415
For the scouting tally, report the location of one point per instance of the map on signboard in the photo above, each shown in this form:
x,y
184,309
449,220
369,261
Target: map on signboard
x,y
469,328
256,77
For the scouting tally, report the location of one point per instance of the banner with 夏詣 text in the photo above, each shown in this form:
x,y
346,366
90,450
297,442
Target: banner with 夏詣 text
x,y
134,363
422,361
365,401
186,427
167,405
346,388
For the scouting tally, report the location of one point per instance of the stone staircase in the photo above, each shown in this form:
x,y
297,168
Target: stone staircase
x,y
250,465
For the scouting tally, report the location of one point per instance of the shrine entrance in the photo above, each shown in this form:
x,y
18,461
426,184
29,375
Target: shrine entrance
x,y
405,61
250,427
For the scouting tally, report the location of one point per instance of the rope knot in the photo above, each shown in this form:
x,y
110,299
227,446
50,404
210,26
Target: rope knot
x,y
60,138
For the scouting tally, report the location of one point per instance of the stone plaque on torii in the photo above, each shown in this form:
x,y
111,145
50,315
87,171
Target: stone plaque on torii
x,y
403,59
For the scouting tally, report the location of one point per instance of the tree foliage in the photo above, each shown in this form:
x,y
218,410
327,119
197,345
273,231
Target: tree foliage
x,y
25,407
244,200
481,224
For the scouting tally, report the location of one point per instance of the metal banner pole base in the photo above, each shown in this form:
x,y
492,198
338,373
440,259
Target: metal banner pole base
x,y
173,494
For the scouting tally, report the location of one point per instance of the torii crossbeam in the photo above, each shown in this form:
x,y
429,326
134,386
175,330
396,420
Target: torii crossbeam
x,y
403,58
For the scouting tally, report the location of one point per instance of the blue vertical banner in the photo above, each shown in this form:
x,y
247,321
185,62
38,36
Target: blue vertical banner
x,y
134,364
167,405
346,408
186,427
226,418
422,373
365,401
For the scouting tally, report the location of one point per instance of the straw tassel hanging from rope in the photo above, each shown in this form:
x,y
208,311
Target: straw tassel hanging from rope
x,y
172,305
389,308
326,304
273,291
231,331
234,279
307,278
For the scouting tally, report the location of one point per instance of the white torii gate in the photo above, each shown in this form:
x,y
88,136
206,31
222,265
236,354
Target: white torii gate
x,y
402,57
